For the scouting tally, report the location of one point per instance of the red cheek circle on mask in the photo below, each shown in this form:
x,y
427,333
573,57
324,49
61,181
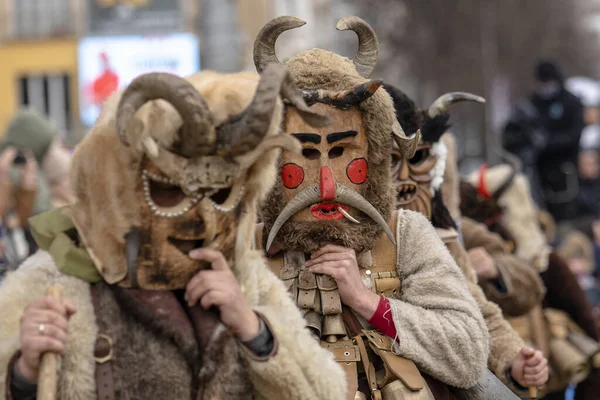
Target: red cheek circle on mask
x,y
292,175
357,171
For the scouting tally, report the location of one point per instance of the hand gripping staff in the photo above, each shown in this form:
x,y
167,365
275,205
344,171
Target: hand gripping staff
x,y
48,368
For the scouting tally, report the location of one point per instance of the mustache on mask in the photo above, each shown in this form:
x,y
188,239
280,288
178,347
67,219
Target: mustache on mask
x,y
344,195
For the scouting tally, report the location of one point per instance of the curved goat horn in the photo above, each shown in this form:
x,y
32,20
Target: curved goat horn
x,y
343,99
247,130
440,105
197,135
264,45
366,57
516,167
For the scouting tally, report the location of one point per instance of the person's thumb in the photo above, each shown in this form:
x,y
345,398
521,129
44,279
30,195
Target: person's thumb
x,y
527,351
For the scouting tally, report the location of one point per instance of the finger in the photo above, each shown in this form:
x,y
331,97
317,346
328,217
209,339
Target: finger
x,y
50,330
329,248
195,293
214,257
535,359
210,278
536,369
47,317
70,308
213,298
527,351
30,158
50,303
326,268
42,344
537,379
327,257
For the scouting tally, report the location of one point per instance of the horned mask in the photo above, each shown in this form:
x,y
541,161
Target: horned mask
x,y
338,189
418,179
175,164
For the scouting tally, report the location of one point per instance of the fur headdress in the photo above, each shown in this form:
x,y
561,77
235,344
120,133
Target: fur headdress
x,y
329,78
171,121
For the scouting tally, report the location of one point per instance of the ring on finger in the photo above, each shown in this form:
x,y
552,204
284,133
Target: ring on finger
x,y
42,329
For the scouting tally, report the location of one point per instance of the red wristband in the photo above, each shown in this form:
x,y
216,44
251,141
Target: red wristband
x,y
382,319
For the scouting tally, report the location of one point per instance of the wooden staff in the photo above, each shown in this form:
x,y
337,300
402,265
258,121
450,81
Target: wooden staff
x,y
47,381
533,393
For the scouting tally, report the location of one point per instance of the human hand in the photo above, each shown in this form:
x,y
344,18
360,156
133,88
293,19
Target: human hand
x,y
44,327
7,157
340,263
530,368
219,287
483,263
29,172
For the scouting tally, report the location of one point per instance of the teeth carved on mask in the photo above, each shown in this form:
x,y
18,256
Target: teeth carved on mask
x,y
169,211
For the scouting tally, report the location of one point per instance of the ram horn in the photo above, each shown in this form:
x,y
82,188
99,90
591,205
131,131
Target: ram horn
x,y
441,104
366,57
264,45
197,135
248,129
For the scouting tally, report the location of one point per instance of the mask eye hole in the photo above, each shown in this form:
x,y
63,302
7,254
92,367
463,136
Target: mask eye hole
x,y
165,194
336,152
396,160
221,196
419,157
311,154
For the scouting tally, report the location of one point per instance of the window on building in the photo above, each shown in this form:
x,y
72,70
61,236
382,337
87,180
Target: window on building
x,y
42,18
50,95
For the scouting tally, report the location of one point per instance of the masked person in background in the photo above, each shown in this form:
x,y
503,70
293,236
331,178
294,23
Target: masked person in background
x,y
164,297
563,326
376,285
544,132
418,183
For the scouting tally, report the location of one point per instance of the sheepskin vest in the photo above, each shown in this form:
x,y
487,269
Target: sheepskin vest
x,y
379,271
161,348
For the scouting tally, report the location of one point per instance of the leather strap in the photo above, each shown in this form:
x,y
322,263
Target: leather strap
x,y
103,353
369,368
352,323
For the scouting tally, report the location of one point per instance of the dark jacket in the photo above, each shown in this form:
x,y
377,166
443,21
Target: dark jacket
x,y
545,133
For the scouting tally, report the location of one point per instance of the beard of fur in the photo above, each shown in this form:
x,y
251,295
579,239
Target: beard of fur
x,y
421,203
309,236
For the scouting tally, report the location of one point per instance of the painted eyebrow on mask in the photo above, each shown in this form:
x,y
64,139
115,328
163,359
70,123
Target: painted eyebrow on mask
x,y
307,137
335,136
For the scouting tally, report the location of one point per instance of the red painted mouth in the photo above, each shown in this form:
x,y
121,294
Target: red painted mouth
x,y
328,211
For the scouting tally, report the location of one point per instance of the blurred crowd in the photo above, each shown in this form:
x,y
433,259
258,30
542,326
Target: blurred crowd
x,y
34,177
555,132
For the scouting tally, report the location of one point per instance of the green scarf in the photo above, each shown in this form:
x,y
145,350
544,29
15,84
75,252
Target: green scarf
x,y
55,233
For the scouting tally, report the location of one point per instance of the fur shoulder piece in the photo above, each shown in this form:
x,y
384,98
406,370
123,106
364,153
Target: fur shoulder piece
x,y
29,282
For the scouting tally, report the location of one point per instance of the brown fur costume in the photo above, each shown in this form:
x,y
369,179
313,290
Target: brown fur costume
x,y
162,349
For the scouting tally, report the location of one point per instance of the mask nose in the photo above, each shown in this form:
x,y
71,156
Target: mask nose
x,y
403,174
327,184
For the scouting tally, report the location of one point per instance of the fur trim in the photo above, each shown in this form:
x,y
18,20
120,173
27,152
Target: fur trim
x,y
434,128
407,113
440,152
438,322
440,216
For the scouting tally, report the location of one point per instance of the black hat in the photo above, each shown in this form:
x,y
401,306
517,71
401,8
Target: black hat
x,y
547,71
